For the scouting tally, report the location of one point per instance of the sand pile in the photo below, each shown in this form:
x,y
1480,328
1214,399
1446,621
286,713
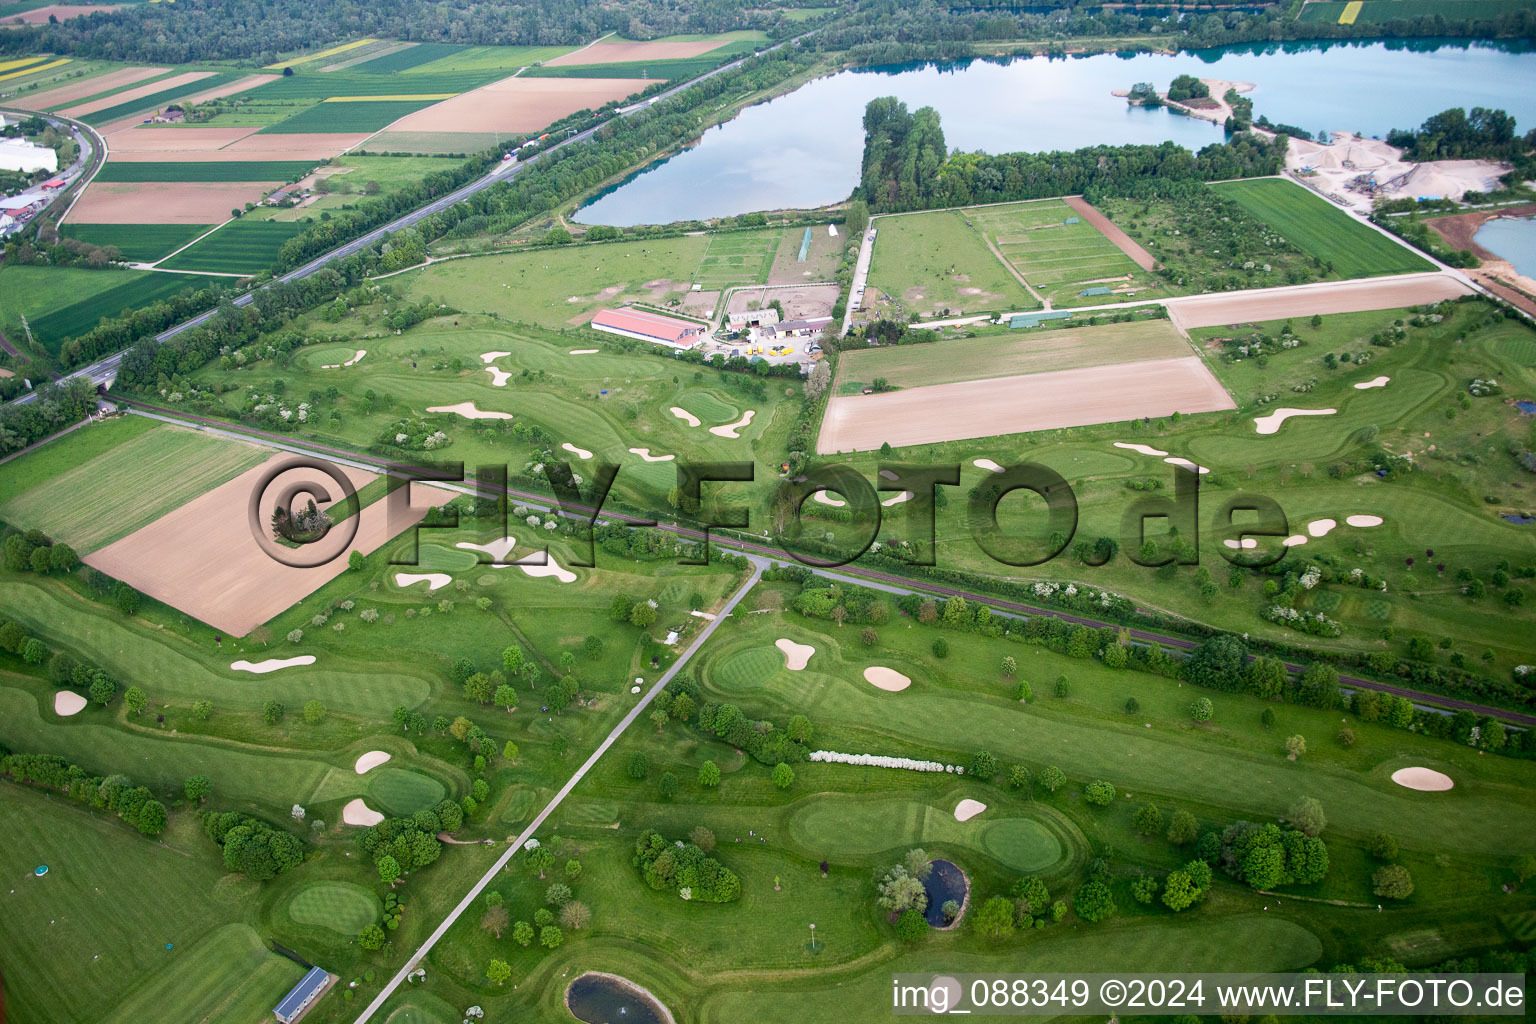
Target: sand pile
x,y
795,655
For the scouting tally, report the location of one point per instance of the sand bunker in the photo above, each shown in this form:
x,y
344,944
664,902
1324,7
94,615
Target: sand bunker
x,y
491,357
434,579
1379,382
372,759
685,416
734,429
1186,464
358,813
497,549
988,464
1293,541
827,499
261,668
336,366
795,655
585,351
887,474
1426,780
1364,521
645,453
469,412
1144,449
968,809
1246,543
68,702
549,568
1271,423
886,678
498,377
903,496
580,453
1320,527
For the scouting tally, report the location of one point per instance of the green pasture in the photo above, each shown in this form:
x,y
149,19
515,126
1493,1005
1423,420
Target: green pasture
x,y
538,287
737,258
1060,253
1348,247
362,116
207,170
129,486
61,302
78,446
142,243
155,100
931,262
408,59
239,247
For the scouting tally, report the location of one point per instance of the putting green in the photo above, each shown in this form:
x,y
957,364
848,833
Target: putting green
x,y
1021,843
326,355
399,792
748,669
341,907
435,558
711,410
522,801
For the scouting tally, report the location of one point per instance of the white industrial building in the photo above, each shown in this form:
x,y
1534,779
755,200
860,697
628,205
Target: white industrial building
x,y
21,155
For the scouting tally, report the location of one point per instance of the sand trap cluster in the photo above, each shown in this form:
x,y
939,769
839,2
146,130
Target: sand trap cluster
x,y
968,809
1425,780
580,453
271,664
336,366
734,429
372,759
499,378
1271,423
988,464
645,453
68,702
1294,540
434,579
886,678
1320,527
826,499
470,412
358,813
1247,543
497,549
898,499
549,568
795,655
1379,382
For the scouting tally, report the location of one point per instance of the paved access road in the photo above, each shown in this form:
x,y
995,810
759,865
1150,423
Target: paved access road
x,y
105,370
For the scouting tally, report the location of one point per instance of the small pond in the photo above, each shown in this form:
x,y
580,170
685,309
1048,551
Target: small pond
x,y
609,999
1512,238
1519,520
945,882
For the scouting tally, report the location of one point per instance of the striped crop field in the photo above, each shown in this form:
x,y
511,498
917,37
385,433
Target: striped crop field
x,y
141,243
157,99
240,247
34,70
1351,12
343,48
207,170
346,117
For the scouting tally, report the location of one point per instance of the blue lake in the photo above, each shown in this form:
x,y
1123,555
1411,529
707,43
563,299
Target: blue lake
x,y
1513,238
803,149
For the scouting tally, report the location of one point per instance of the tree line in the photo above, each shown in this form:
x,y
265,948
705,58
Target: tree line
x,y
115,793
905,167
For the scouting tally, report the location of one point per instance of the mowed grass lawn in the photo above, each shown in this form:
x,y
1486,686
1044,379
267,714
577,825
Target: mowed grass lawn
x,y
1311,223
239,247
129,486
62,302
931,262
945,362
142,243
74,945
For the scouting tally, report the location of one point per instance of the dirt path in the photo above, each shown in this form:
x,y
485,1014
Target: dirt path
x,y
1123,241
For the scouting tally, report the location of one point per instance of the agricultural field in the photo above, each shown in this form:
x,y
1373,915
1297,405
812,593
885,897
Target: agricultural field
x,y
184,85
224,170
244,246
1378,11
1343,244
935,263
367,114
1065,258
737,258
61,302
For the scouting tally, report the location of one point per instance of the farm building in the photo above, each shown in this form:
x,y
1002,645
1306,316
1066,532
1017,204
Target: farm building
x,y
653,327
752,318
21,155
303,995
797,328
1020,321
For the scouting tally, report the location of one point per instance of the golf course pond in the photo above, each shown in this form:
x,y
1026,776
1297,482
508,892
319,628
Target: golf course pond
x,y
609,999
944,883
1039,104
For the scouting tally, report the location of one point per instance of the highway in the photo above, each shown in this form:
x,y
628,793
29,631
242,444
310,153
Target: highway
x,y
104,370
